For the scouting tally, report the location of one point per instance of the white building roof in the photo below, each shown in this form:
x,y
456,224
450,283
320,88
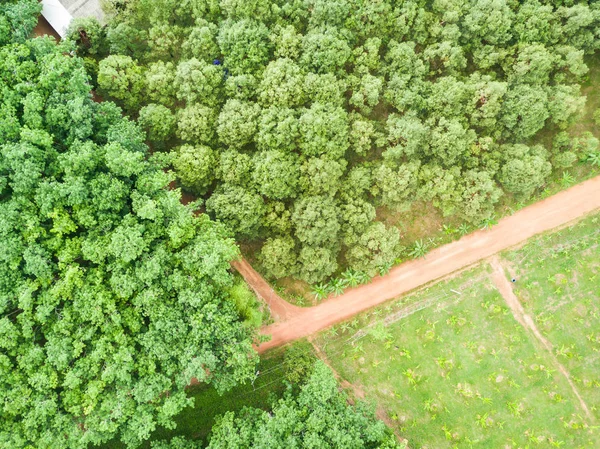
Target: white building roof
x,y
84,8
59,13
57,16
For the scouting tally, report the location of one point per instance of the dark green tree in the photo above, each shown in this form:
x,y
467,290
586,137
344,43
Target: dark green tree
x,y
375,248
525,169
244,44
278,257
237,123
195,167
316,220
241,210
17,20
122,78
276,174
158,121
324,130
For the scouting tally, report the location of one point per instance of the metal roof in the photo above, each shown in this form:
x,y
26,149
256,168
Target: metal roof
x,y
84,8
59,13
57,16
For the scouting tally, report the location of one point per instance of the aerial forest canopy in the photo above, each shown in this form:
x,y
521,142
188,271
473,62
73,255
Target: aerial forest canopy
x,y
296,119
316,416
113,295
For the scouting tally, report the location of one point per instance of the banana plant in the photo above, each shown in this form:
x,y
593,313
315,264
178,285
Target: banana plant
x,y
419,249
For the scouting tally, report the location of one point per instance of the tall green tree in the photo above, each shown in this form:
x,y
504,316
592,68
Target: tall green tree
x,y
318,417
324,130
244,44
282,84
316,221
113,295
17,20
278,257
158,121
237,123
196,124
241,210
195,167
198,82
325,50
525,169
278,129
276,174
376,248
122,78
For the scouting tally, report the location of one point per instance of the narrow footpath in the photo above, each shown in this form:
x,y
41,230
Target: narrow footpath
x,y
540,217
505,288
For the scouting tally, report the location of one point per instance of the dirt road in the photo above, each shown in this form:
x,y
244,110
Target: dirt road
x,y
537,218
281,310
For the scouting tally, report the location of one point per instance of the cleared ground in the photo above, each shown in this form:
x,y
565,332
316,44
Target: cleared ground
x,y
454,366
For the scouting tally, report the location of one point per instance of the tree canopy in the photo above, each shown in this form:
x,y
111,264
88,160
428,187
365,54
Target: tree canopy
x,y
318,416
113,295
419,101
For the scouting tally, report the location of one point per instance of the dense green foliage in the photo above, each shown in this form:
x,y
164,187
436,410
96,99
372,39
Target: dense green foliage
x,y
315,110
17,19
317,417
195,422
113,295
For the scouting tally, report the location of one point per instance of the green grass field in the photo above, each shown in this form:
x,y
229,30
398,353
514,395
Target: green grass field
x,y
456,370
559,287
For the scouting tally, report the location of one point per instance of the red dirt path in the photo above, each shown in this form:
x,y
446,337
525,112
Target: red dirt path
x,y
550,213
281,310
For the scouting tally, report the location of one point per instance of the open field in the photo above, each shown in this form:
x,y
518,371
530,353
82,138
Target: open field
x,y
458,370
559,286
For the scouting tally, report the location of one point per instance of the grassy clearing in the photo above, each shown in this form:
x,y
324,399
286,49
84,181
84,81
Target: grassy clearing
x,y
559,286
196,422
460,372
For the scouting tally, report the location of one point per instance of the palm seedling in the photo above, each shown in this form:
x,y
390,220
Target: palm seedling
x,y
364,278
489,222
385,268
320,291
337,286
419,249
594,158
351,277
448,230
567,179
